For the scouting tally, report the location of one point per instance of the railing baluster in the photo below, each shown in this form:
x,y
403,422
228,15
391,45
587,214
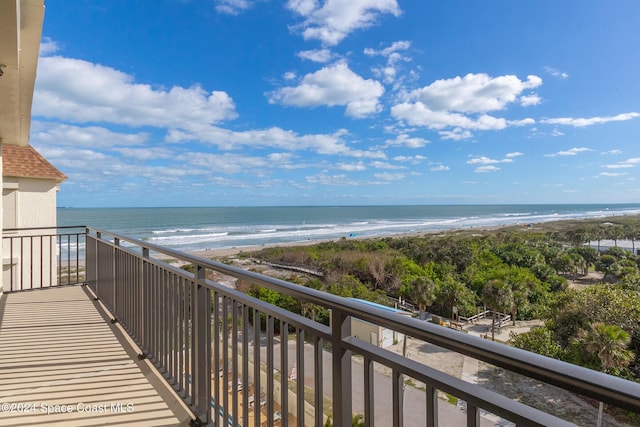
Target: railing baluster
x,y
368,394
52,266
318,380
11,285
42,262
432,406
473,415
234,359
341,364
284,372
200,301
68,258
77,254
21,260
218,380
187,341
173,321
270,380
225,358
300,375
257,389
245,366
397,398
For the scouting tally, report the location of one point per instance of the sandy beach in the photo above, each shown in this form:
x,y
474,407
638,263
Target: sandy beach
x,y
230,252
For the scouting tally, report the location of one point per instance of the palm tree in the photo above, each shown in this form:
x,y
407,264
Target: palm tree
x,y
423,293
609,343
498,296
614,232
598,233
632,232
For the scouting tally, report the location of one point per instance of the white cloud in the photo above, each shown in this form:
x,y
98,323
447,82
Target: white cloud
x,y
612,174
629,163
48,47
420,115
614,151
483,160
332,180
524,122
392,53
486,169
570,152
527,100
588,121
404,140
63,135
228,163
456,134
459,105
439,168
556,73
232,7
411,159
335,85
280,157
145,153
351,167
389,176
326,144
333,20
316,55
514,154
104,94
474,93
385,165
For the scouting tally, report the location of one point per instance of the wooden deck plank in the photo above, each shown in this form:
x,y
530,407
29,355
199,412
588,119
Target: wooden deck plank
x,y
57,348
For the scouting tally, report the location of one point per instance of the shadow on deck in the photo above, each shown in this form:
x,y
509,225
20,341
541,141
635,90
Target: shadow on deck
x,y
58,347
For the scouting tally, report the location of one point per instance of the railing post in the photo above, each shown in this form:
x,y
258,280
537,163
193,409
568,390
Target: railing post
x,y
89,260
115,272
201,306
144,312
98,257
341,368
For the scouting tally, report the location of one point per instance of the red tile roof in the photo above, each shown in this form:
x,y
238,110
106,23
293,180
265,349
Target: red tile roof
x,y
26,162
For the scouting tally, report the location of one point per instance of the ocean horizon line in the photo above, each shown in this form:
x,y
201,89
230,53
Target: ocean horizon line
x,y
354,205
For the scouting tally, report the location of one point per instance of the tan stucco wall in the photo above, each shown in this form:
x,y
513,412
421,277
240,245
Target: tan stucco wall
x,y
33,205
35,202
1,228
365,331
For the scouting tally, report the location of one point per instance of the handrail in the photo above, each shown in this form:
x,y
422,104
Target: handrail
x,y
577,379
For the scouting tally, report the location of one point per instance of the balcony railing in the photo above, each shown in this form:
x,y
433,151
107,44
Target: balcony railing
x,y
240,361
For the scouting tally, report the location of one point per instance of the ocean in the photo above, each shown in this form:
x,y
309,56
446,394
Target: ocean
x,y
192,229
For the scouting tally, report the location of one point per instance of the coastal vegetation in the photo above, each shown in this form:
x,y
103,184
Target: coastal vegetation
x,y
587,296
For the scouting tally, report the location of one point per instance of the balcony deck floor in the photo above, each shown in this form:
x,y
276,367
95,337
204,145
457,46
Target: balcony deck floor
x,y
57,347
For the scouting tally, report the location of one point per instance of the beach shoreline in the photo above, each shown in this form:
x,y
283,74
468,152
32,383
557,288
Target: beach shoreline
x,y
237,250
220,253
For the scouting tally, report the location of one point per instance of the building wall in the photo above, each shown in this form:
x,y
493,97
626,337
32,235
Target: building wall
x,y
28,262
35,201
1,222
365,331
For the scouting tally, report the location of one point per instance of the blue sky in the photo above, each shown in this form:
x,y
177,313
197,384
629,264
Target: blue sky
x,y
340,102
